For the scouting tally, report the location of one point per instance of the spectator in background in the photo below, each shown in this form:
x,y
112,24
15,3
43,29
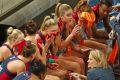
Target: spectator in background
x,y
115,23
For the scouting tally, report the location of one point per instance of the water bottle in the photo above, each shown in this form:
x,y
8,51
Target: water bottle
x,y
82,33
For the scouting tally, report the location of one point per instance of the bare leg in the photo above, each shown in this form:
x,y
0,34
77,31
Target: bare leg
x,y
78,60
51,77
69,65
59,73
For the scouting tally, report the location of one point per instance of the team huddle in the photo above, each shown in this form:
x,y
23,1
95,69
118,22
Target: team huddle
x,y
67,47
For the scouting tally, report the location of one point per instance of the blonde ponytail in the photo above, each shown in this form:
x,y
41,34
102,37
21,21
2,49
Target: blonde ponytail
x,y
13,33
10,30
61,9
47,22
43,24
57,9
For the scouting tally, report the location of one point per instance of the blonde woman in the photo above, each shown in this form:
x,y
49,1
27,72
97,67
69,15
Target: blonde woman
x,y
50,37
98,67
66,23
15,36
